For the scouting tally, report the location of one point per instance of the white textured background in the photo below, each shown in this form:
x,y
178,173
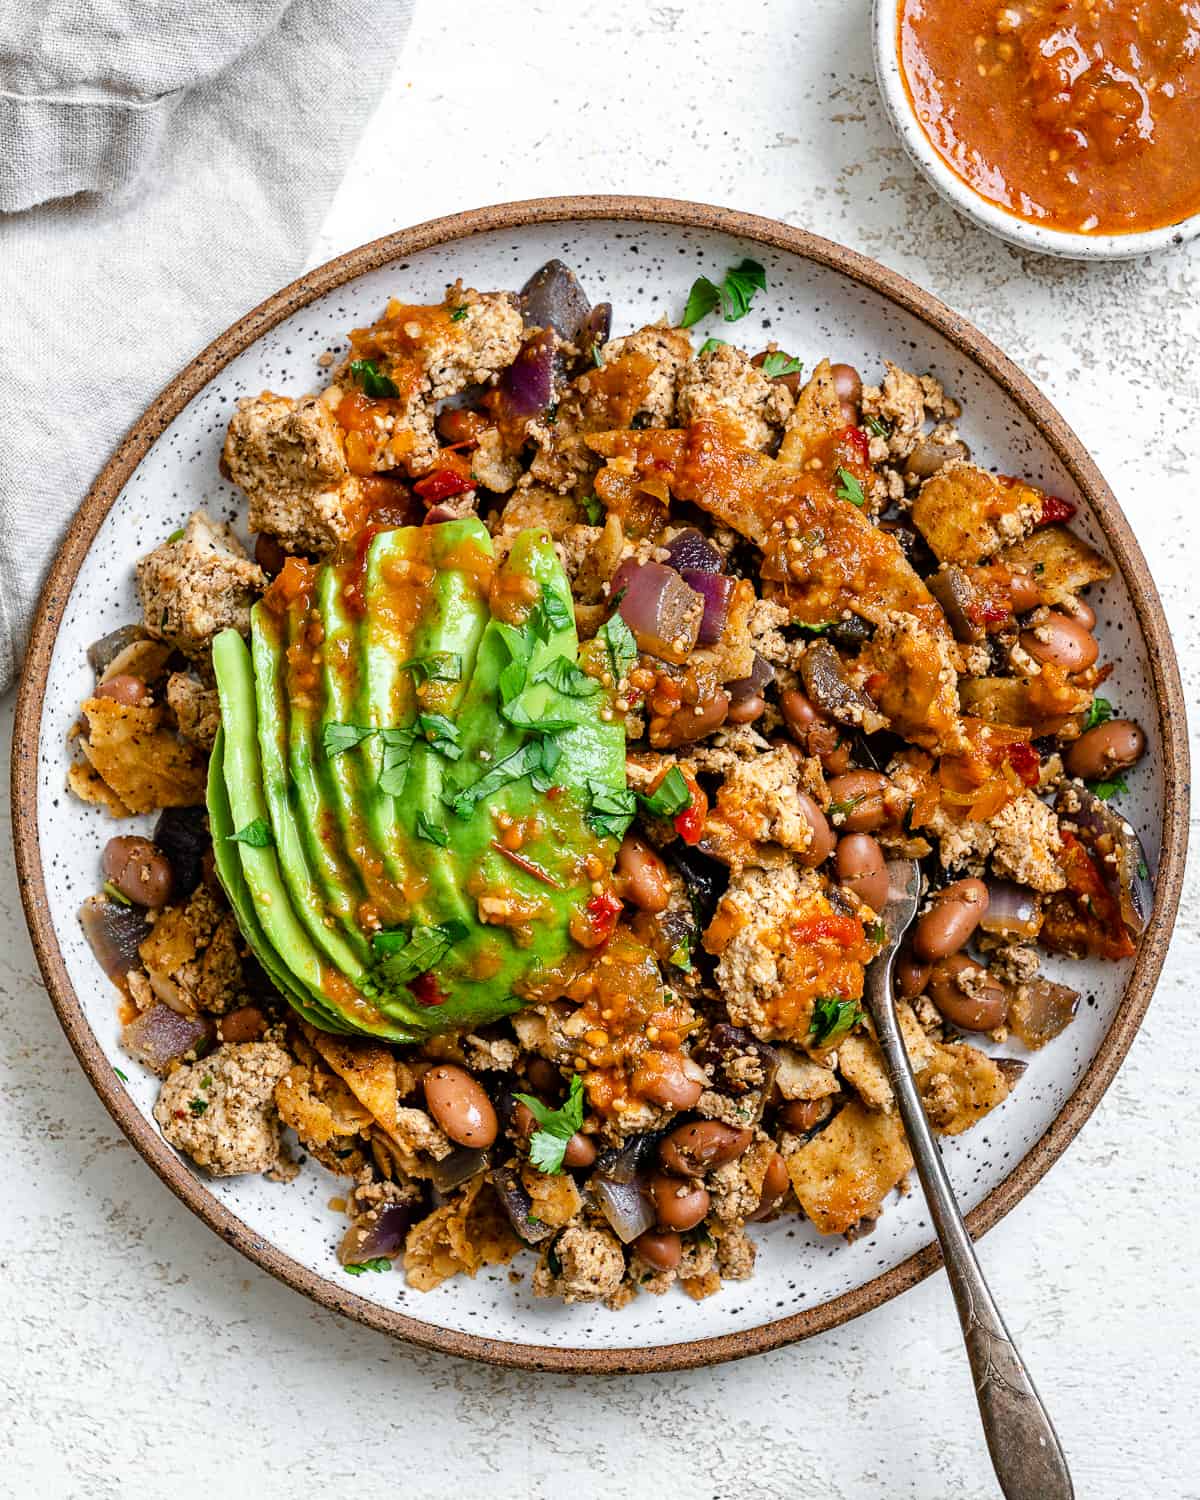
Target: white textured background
x,y
142,1358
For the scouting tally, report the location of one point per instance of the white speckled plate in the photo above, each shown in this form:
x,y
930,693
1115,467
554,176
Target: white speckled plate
x,y
642,255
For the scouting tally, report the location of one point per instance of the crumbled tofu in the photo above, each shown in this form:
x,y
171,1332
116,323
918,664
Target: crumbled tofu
x,y
1028,844
760,800
221,1110
721,384
416,1131
900,405
196,707
912,674
736,1186
591,1265
735,1254
670,350
198,585
193,955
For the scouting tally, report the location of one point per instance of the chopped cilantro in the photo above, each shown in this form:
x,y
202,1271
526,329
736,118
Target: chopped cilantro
x,y
400,956
372,380
441,734
338,738
842,809
1107,789
123,1077
432,833
379,1263
832,1018
1143,870
113,894
397,750
438,666
535,759
709,345
551,613
593,509
598,356
778,363
875,932
733,296
848,488
555,1127
459,314
565,677
519,716
671,796
610,811
681,955
877,426
1099,713
519,644
257,834
197,1106
813,629
176,535
622,647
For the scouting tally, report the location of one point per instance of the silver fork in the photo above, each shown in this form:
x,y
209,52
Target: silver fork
x,y
1026,1454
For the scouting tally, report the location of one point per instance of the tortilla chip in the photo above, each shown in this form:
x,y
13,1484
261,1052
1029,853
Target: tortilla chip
x,y
368,1068
465,1233
89,786
844,1174
959,1085
147,766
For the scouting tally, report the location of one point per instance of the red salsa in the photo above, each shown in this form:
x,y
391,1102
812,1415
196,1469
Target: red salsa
x,y
1080,115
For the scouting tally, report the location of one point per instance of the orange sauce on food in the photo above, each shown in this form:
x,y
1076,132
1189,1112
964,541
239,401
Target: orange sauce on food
x,y
1080,115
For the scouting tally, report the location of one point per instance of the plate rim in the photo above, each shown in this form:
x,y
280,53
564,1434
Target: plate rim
x,y
521,214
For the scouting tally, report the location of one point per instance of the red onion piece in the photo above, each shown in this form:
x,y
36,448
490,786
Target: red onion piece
x,y
528,383
761,674
437,515
382,1234
115,933
692,549
716,590
626,1206
553,298
1012,910
635,1156
661,610
102,653
518,1205
160,1035
1127,872
182,836
461,1165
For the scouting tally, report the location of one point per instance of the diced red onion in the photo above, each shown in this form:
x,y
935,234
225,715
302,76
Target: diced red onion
x,y
160,1035
438,515
761,674
115,933
553,298
636,1155
102,653
461,1165
690,548
385,1235
626,1206
518,1205
716,590
659,607
528,383
1012,910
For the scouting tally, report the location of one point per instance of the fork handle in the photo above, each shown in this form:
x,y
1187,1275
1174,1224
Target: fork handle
x,y
1026,1453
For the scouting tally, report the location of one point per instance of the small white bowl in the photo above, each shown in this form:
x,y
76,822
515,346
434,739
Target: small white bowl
x,y
967,201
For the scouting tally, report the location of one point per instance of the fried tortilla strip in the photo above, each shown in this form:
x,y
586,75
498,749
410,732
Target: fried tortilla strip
x,y
844,1174
1059,562
367,1067
142,762
817,418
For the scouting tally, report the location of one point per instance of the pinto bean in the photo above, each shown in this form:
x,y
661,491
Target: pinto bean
x,y
982,1010
836,762
860,867
659,1248
856,801
803,1114
822,843
269,554
693,1149
642,875
776,1182
847,382
123,688
1110,747
579,1151
138,870
910,975
950,921
544,1077
1065,642
460,1106
1023,592
692,721
799,712
246,1024
678,1205
1082,611
746,710
677,1082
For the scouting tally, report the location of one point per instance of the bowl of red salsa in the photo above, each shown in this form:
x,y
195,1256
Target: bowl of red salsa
x,y
1066,126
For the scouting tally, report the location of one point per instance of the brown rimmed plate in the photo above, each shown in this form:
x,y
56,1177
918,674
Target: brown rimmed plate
x,y
642,254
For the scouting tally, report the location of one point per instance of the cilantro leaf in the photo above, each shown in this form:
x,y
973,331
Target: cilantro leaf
x,y
520,717
877,426
709,345
556,1127
813,629
1108,789
338,738
177,535
536,759
622,647
459,314
681,955
197,1106
704,297
441,734
1099,713
832,1018
124,1077
843,809
519,644
671,796
848,488
371,378
113,894
733,296
541,777
593,509
400,956
397,751
610,810
551,613
438,666
565,677
432,833
256,834
778,363
378,1263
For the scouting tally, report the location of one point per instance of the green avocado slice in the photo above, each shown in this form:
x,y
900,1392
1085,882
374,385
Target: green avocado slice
x,y
242,775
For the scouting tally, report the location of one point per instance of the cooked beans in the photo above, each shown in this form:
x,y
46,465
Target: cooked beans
x,y
693,1149
678,1205
642,875
800,713
268,554
982,1010
692,721
1110,747
856,802
460,1106
678,1085
803,1114
860,867
775,1183
580,1151
138,870
1023,592
910,975
847,382
746,710
1082,611
822,835
123,688
246,1024
543,1076
1063,641
663,1250
950,921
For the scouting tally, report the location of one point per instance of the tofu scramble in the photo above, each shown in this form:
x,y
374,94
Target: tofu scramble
x,y
523,798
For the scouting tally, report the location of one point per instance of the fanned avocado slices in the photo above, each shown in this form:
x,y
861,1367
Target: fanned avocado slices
x,y
403,792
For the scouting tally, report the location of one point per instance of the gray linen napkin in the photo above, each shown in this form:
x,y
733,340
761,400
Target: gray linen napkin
x,y
164,165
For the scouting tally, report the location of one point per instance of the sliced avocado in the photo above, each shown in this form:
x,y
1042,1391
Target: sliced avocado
x,y
271,904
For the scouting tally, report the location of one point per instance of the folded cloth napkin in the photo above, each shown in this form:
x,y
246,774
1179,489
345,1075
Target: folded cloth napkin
x,y
166,164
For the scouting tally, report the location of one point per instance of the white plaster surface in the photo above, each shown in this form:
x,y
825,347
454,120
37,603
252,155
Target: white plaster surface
x,y
142,1357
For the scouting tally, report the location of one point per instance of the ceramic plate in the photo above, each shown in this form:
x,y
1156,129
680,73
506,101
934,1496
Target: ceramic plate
x,y
642,255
